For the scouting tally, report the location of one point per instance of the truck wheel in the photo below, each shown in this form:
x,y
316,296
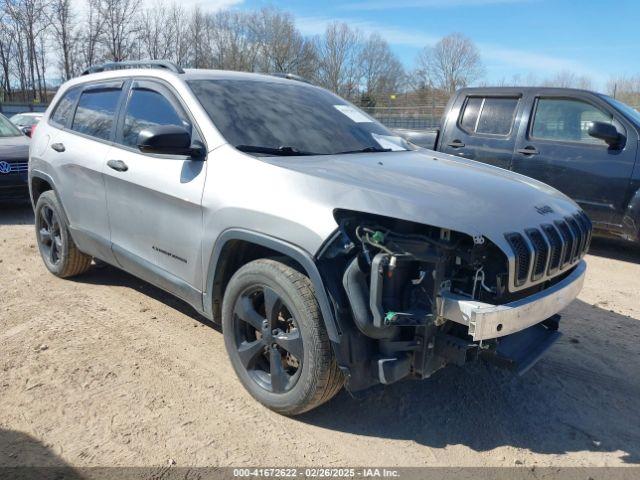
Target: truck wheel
x,y
59,253
276,339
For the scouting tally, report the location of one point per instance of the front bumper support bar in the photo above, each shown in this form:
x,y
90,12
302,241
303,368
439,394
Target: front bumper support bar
x,y
486,321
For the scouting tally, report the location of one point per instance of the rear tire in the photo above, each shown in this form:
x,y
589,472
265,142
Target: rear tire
x,y
58,250
276,339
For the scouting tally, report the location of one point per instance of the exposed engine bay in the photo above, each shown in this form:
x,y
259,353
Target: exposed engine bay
x,y
396,278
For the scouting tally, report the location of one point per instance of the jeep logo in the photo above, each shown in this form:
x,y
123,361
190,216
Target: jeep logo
x,y
543,209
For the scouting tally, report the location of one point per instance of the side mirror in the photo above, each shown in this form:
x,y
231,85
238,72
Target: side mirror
x,y
169,140
606,132
26,131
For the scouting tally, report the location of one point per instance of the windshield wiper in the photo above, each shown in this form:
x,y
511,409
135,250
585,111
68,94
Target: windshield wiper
x,y
366,150
285,151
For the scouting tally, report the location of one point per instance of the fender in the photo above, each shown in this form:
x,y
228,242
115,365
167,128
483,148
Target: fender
x,y
631,218
290,250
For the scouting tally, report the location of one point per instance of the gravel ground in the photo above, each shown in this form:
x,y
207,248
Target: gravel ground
x,y
107,370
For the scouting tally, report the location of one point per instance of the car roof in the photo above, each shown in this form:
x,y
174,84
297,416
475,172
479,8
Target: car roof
x,y
30,114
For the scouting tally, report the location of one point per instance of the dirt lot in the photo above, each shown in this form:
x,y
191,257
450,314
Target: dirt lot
x,y
107,370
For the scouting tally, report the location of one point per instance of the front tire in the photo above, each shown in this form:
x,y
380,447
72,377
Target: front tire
x,y
276,339
59,253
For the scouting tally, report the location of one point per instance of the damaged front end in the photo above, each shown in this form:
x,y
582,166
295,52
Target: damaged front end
x,y
413,298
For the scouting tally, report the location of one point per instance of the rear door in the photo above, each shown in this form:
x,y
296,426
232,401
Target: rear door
x,y
554,146
85,117
154,202
484,129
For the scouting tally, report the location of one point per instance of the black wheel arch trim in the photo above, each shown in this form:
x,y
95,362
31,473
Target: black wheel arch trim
x,y
295,252
47,178
631,217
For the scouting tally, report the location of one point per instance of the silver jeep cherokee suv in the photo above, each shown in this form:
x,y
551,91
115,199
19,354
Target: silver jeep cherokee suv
x,y
332,251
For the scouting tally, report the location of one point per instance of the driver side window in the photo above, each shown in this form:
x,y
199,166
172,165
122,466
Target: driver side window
x,y
567,120
147,108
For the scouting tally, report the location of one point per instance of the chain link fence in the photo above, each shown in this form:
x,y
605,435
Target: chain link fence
x,y
414,118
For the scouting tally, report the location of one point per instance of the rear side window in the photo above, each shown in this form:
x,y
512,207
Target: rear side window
x,y
489,115
147,108
567,120
64,110
95,113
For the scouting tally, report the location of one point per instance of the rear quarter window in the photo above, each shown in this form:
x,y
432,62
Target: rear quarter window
x,y
64,109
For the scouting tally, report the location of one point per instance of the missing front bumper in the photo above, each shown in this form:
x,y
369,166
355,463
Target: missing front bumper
x,y
486,321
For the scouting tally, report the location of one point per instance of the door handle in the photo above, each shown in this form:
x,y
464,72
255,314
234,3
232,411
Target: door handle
x,y
117,165
456,144
58,147
528,150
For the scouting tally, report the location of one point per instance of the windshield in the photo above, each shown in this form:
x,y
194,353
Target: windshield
x,y
275,118
8,129
627,110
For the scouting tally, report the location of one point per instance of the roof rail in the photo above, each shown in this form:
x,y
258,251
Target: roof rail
x,y
165,64
290,76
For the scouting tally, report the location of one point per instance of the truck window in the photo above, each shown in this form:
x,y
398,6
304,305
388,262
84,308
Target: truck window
x,y
489,115
567,120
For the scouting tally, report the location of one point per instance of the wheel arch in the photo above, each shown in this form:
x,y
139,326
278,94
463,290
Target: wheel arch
x,y
631,218
235,247
40,182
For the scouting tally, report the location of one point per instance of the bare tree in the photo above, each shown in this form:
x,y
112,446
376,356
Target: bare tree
x,y
452,63
63,23
30,20
6,49
338,53
90,34
177,19
282,48
568,79
626,89
197,36
156,32
232,41
119,27
382,72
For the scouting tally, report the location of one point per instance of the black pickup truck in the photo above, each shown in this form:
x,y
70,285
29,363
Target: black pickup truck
x,y
585,144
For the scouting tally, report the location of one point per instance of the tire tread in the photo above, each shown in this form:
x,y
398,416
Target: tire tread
x,y
75,262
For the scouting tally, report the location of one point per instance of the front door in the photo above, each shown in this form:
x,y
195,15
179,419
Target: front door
x,y
557,149
154,201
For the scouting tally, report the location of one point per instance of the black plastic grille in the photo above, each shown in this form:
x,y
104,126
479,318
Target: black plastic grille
x,y
578,236
522,256
551,247
540,253
567,239
555,242
582,218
